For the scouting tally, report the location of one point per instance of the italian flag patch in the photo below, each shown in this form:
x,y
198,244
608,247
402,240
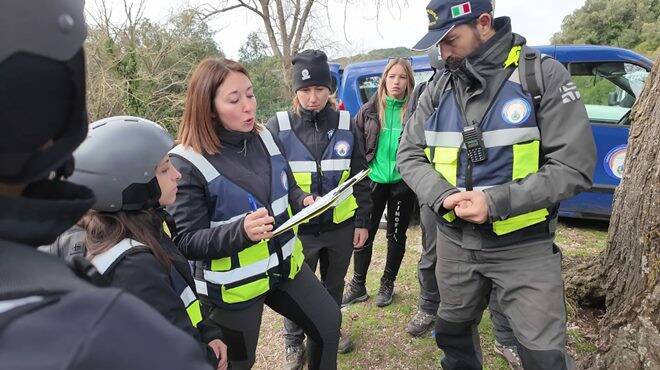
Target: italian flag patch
x,y
461,10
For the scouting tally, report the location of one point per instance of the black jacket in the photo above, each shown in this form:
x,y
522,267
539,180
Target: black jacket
x,y
245,161
141,274
74,325
312,129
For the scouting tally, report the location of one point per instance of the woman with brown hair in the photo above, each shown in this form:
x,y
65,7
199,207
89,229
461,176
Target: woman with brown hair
x,y
126,235
381,121
235,190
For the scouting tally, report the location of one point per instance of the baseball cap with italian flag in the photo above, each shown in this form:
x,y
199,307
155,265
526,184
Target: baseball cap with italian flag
x,y
444,15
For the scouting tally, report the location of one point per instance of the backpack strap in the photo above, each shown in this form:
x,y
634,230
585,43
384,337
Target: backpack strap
x,y
443,82
531,75
414,99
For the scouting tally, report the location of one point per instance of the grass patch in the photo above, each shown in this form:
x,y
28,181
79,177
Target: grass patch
x,y
580,344
379,333
581,238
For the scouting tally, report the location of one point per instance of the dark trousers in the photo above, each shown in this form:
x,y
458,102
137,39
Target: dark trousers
x,y
400,202
303,300
528,288
331,251
429,296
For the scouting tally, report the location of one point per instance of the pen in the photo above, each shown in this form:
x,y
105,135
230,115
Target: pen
x,y
253,203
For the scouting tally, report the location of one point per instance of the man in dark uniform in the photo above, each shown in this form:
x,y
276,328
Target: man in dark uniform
x,y
507,146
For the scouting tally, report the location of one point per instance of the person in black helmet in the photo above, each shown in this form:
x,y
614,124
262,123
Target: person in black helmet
x,y
50,318
126,236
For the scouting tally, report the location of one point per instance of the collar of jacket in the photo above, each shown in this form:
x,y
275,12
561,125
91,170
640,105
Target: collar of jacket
x,y
47,209
309,116
234,140
394,102
487,59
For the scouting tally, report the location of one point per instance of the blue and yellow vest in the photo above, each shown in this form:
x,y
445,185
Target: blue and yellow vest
x,y
106,261
321,176
254,270
510,134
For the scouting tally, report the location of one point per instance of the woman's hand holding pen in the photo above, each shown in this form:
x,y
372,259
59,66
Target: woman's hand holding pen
x,y
258,225
309,200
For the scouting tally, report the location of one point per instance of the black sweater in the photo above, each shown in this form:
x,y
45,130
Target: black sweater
x,y
312,129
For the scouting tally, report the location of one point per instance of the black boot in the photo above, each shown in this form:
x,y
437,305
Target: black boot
x,y
354,292
385,293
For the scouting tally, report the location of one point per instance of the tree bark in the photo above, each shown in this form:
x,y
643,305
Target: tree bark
x,y
629,337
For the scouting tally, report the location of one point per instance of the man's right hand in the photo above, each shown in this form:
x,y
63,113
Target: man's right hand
x,y
468,205
258,225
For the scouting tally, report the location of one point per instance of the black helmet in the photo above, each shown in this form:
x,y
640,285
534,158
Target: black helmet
x,y
118,160
42,87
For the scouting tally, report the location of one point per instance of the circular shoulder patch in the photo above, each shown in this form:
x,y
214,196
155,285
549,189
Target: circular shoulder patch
x,y
516,111
342,148
614,161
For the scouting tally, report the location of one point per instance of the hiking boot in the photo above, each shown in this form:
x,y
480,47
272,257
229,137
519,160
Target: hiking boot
x,y
295,356
354,293
420,324
385,293
510,354
345,344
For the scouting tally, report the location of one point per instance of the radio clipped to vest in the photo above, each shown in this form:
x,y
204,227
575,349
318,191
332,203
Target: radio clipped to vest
x,y
474,144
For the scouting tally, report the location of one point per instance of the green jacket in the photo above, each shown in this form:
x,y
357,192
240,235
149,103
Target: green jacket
x,y
383,162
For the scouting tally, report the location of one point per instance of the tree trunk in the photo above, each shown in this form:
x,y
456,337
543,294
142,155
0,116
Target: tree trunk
x,y
629,337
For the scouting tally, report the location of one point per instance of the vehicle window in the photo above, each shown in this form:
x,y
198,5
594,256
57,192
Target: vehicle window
x,y
368,85
608,89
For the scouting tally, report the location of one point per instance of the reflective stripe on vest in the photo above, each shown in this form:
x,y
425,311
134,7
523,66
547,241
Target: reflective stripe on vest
x,y
248,273
106,260
492,139
511,137
254,269
306,171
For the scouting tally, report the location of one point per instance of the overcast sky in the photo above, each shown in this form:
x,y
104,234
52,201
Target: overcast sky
x,y
536,20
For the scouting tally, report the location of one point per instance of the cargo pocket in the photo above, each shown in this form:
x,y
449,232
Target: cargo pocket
x,y
449,282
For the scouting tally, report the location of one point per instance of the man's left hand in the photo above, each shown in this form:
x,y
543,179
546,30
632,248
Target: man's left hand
x,y
471,206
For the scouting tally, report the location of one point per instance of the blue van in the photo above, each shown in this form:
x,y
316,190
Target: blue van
x,y
609,79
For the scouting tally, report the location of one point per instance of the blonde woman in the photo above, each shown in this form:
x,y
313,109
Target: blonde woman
x,y
324,149
381,122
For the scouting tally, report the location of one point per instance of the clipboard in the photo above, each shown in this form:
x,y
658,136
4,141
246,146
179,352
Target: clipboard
x,y
322,204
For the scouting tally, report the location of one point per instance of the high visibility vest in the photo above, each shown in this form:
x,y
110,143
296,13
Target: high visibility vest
x,y
108,260
322,175
254,270
511,136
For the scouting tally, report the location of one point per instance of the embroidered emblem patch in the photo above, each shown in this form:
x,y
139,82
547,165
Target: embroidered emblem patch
x,y
342,148
516,111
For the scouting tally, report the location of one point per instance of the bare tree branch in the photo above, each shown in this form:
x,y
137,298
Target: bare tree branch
x,y
301,26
